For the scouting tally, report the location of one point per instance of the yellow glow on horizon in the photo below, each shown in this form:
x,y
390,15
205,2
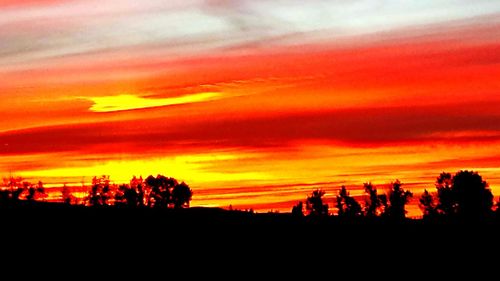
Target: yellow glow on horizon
x,y
190,168
130,102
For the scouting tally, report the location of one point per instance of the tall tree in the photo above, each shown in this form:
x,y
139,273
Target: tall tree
x,y
100,192
375,204
464,195
446,201
398,198
472,196
347,206
427,205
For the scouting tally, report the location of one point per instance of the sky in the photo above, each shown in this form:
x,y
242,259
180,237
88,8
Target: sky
x,y
253,103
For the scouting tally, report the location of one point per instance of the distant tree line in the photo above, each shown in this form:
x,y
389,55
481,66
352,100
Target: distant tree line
x,y
464,195
16,188
153,192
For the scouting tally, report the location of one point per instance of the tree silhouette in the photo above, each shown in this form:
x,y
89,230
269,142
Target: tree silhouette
x,y
426,204
347,206
166,192
375,204
100,192
314,204
127,195
464,195
446,201
160,189
398,198
298,210
181,195
138,185
471,195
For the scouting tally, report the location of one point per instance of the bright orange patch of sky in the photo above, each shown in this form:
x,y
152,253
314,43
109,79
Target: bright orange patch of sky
x,y
254,123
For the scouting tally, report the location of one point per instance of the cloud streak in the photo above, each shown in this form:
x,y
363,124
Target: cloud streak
x,y
131,102
184,28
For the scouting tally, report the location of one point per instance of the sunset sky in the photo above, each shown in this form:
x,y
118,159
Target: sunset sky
x,y
253,103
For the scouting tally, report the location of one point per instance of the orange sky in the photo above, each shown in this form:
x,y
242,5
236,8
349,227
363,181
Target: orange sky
x,y
249,115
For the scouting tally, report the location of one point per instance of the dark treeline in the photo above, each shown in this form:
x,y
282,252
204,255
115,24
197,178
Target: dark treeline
x,y
159,191
152,192
464,195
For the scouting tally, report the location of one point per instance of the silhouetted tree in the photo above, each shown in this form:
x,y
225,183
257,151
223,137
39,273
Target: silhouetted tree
x,y
166,192
471,195
347,206
427,205
100,192
375,204
298,210
126,195
159,194
398,198
138,185
314,204
464,195
446,201
181,195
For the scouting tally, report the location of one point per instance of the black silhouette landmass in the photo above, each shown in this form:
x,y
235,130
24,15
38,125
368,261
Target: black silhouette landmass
x,y
159,206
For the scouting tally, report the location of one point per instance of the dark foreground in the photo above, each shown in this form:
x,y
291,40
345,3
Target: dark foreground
x,y
66,232
70,218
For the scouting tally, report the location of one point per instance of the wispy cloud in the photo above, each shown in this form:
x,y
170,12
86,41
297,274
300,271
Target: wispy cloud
x,y
131,102
52,29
